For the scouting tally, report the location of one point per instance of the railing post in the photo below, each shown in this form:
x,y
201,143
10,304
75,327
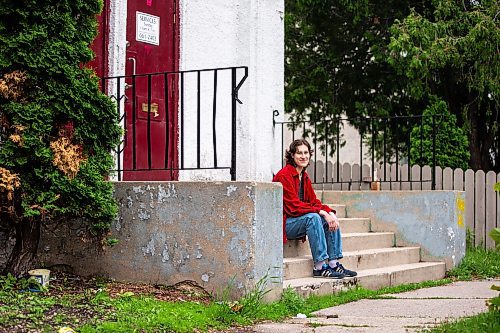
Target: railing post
x,y
118,110
372,123
148,129
433,152
233,125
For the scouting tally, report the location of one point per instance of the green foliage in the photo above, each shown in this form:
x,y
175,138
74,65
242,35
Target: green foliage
x,y
111,242
452,144
334,58
245,309
37,311
133,313
451,52
494,303
336,63
9,283
391,58
495,235
58,128
487,322
478,263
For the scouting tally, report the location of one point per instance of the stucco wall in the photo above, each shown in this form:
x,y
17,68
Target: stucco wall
x,y
220,33
435,220
209,232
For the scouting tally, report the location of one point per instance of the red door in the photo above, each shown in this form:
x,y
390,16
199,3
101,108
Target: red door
x,y
150,151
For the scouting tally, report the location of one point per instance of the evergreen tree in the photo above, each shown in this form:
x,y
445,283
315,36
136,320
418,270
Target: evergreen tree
x,y
452,53
447,139
57,128
388,58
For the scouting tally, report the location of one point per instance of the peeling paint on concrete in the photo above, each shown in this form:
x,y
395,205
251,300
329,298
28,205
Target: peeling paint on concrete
x,y
150,248
451,234
433,220
171,192
138,189
151,199
232,216
185,237
250,192
199,254
165,256
118,225
231,189
162,194
143,214
239,247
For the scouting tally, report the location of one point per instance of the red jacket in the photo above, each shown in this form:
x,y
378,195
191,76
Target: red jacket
x,y
292,206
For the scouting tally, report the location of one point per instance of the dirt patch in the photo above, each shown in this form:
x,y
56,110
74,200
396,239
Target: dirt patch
x,y
184,291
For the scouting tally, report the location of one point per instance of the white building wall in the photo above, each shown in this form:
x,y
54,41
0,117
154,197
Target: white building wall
x,y
348,153
117,45
221,33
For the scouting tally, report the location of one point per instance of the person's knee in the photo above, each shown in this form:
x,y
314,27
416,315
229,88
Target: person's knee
x,y
315,219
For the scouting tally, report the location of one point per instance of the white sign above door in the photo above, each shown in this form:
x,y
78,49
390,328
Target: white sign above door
x,y
147,28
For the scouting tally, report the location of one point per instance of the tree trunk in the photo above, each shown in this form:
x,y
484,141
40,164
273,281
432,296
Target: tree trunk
x,y
23,255
474,138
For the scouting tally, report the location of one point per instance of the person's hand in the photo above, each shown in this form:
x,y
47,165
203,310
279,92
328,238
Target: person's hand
x,y
331,219
336,223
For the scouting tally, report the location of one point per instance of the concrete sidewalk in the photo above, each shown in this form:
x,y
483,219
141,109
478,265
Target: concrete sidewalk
x,y
405,312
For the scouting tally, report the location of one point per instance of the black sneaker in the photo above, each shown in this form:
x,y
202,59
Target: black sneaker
x,y
340,269
327,272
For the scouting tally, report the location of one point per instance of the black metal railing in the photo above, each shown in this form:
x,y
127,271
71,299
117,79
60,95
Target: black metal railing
x,y
383,141
158,112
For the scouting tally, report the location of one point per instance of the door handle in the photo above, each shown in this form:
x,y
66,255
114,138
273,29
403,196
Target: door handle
x,y
134,65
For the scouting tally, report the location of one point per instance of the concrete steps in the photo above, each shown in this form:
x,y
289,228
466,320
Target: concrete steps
x,y
373,255
371,278
350,242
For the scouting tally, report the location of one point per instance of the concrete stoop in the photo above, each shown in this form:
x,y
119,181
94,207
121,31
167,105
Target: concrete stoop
x,y
373,255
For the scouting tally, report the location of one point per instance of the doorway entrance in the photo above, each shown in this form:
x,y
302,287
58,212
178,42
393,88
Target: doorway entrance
x,y
151,135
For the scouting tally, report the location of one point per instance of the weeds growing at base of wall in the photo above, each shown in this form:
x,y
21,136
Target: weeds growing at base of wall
x,y
478,263
131,311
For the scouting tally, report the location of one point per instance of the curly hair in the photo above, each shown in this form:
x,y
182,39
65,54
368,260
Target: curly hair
x,y
293,149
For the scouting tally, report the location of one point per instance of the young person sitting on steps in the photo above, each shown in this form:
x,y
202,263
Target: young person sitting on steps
x,y
305,215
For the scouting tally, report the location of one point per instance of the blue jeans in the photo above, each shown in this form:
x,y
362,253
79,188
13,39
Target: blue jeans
x,y
325,244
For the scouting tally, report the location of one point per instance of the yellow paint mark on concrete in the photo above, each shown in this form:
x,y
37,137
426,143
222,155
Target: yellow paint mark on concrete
x,y
460,204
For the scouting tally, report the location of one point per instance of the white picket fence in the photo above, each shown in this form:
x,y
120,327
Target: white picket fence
x,y
482,203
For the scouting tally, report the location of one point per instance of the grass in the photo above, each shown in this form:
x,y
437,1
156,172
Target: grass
x,y
478,263
488,322
291,303
136,314
128,312
94,308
